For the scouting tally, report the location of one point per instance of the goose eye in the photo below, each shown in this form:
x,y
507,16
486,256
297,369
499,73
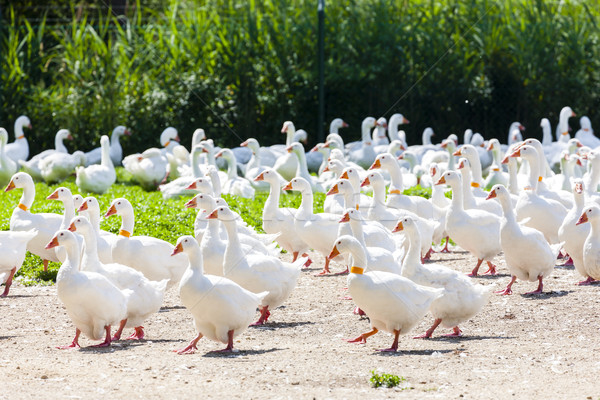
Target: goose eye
x,y
62,234
119,202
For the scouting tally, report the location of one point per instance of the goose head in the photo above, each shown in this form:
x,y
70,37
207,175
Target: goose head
x,y
434,171
119,207
185,244
341,186
80,224
343,244
120,131
63,238
61,194
351,214
252,144
168,135
198,136
493,145
335,140
336,124
77,201
499,192
449,144
383,159
296,148
451,178
20,123
589,214
227,154
202,201
3,136
19,180
586,124
202,185
298,184
374,178
288,127
351,174
222,213
89,204
406,224
63,134
301,136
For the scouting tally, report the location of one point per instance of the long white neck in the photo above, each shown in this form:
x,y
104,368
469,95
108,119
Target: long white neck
x,y
534,174
59,144
325,152
350,200
476,170
357,231
195,257
359,256
28,194
426,137
546,134
231,167
507,208
272,203
306,206
195,161
105,160
365,132
69,212
233,252
378,195
412,260
562,132
457,196
393,169
302,169
468,198
19,134
127,220
513,181
71,265
289,138
90,260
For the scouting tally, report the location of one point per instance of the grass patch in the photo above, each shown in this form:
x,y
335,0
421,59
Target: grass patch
x,y
386,380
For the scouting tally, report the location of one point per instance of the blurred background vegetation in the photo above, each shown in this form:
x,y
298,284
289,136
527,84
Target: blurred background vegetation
x,y
239,68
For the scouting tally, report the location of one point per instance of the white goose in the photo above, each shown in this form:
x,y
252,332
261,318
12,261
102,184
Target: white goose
x,y
586,133
395,121
470,201
287,164
336,124
97,178
149,255
257,273
392,303
302,170
572,235
591,246
23,220
476,231
562,129
468,151
461,299
19,149
362,152
116,151
92,302
221,308
169,139
495,173
59,166
149,168
32,166
280,220
527,253
179,186
545,215
13,247
318,231
90,208
145,298
235,184
7,166
65,196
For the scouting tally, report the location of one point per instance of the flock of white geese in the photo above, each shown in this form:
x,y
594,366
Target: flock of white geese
x,y
541,205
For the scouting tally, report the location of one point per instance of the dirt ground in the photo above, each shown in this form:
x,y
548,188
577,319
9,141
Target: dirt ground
x,y
519,346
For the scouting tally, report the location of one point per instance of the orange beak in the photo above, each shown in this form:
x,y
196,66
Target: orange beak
x,y
573,114
191,204
401,156
345,218
457,153
260,177
444,145
344,124
461,165
288,186
365,182
376,164
333,190
127,132
398,227
326,168
516,153
53,196
111,211
219,154
69,137
213,215
579,144
11,186
72,227
191,186
489,147
326,144
344,175
405,121
582,219
441,181
505,160
284,128
289,149
53,243
491,195
578,162
334,253
316,148
83,207
178,249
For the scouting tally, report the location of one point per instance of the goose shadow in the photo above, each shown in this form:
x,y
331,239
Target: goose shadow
x,y
546,295
567,267
22,296
7,337
167,308
488,276
466,338
217,354
271,326
412,352
110,349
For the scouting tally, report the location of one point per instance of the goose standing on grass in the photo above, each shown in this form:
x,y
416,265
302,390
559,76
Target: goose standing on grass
x,y
235,184
318,231
362,152
393,303
7,166
221,308
90,208
149,255
562,129
461,299
591,246
97,178
65,196
116,151
13,247
257,272
149,169
528,255
179,186
32,166
93,303
287,164
19,149
280,220
146,296
59,166
23,220
586,133
476,231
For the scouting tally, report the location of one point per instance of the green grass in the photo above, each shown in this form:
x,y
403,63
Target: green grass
x,y
386,380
